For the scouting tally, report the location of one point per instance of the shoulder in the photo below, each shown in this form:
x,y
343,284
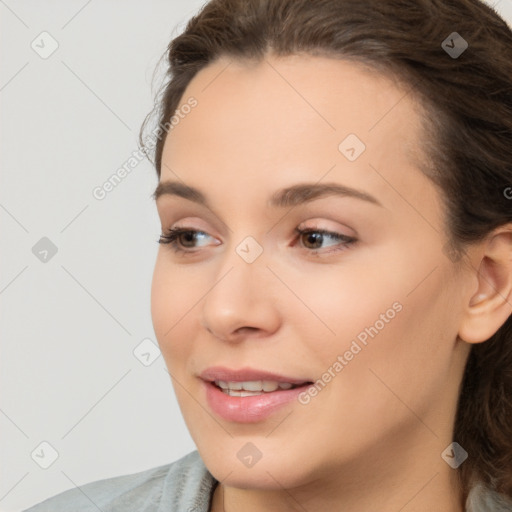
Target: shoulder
x,y
185,484
483,499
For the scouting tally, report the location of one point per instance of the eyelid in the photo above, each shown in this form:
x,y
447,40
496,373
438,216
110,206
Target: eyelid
x,y
171,237
321,224
187,212
189,222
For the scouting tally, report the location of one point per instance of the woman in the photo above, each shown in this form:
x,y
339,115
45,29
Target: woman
x,y
333,291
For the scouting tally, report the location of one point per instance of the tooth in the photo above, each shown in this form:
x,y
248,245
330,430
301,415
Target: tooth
x,y
232,392
252,385
248,393
269,385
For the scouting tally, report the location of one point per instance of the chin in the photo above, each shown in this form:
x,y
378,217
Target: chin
x,y
272,471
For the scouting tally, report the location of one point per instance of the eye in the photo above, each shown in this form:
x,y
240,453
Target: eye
x,y
183,239
177,237
316,237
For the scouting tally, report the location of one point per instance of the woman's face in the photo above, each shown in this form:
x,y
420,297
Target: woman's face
x,y
368,311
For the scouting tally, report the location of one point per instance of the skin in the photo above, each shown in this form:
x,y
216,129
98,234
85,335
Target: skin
x,y
376,432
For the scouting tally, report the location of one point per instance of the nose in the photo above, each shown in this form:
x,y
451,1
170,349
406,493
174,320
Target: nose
x,y
241,303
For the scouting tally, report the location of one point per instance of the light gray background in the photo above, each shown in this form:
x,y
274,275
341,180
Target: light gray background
x,y
69,326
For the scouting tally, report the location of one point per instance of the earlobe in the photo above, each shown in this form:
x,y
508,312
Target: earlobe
x,y
491,304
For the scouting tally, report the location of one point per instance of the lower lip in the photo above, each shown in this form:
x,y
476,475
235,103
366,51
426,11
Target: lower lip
x,y
249,409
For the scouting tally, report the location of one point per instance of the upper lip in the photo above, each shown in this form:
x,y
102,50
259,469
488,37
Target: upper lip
x,y
246,374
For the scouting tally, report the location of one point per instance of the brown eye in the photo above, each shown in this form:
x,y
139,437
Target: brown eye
x,y
180,237
313,238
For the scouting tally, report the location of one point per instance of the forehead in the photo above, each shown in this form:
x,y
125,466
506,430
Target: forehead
x,y
287,119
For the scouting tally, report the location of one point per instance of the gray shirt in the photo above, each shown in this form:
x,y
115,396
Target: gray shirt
x,y
181,486
184,486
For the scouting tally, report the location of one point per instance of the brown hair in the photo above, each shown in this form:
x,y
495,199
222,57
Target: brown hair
x,y
467,148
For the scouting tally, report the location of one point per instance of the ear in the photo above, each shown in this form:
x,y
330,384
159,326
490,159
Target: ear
x,y
491,304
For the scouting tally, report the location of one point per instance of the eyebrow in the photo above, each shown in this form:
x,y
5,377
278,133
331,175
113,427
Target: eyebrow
x,y
284,198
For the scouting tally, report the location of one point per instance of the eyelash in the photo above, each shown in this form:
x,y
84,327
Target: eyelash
x,y
170,237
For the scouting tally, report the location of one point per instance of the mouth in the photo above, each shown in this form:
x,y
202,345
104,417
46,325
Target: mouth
x,y
242,375
254,387
249,395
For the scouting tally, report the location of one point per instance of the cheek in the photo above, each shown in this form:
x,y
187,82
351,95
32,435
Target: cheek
x,y
171,302
336,306
403,363
392,326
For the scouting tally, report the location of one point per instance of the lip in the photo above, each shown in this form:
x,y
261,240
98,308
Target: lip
x,y
248,409
245,374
